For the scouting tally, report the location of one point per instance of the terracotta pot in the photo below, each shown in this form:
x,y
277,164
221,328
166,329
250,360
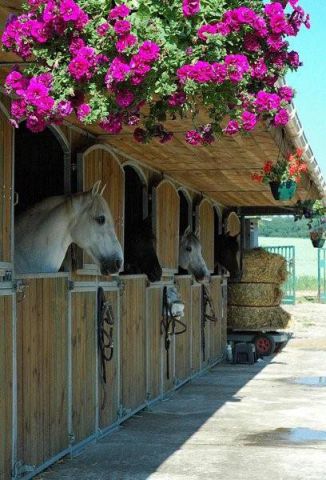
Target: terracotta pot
x,y
283,190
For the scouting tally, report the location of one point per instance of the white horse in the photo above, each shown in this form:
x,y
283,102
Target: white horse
x,y
190,256
44,233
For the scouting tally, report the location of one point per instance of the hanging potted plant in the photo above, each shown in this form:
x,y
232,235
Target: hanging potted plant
x,y
317,224
282,176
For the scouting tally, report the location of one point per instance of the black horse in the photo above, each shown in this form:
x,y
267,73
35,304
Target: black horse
x,y
140,255
227,255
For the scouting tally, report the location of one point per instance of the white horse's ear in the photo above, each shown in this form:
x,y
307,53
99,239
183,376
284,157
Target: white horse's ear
x,y
187,231
96,188
197,232
102,191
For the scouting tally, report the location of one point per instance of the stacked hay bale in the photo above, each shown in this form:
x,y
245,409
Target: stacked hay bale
x,y
254,302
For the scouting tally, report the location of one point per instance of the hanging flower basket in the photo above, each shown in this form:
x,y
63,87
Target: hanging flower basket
x,y
283,190
105,60
317,242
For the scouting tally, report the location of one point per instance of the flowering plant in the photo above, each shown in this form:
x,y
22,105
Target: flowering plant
x,y
317,222
283,170
106,60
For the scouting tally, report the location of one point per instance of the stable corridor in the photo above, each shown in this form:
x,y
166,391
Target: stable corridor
x,y
236,422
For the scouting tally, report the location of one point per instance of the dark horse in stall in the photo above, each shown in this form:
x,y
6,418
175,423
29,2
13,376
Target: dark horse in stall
x,y
140,254
227,256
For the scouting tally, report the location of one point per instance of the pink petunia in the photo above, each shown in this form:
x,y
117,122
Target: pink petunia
x,y
190,7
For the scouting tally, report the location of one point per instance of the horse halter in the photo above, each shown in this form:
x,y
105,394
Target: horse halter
x,y
105,322
171,314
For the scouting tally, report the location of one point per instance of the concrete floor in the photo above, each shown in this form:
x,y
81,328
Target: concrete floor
x,y
238,422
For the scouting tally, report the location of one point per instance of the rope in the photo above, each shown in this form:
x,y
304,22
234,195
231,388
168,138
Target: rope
x,y
105,319
168,328
207,302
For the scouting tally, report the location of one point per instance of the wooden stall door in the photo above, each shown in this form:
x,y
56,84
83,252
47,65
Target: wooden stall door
x,y
216,328
166,212
133,343
224,315
154,342
108,392
205,223
196,318
42,368
98,163
84,372
183,341
6,397
6,146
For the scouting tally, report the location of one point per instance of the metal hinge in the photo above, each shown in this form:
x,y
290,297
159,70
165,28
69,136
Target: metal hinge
x,y
71,285
71,438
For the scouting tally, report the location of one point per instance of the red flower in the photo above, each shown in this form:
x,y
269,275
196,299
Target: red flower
x,y
268,167
299,152
256,177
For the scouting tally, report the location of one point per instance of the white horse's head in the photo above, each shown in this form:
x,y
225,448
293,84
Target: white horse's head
x,y
94,231
190,256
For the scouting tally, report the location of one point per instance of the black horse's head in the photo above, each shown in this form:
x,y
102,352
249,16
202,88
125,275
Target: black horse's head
x,y
227,255
140,254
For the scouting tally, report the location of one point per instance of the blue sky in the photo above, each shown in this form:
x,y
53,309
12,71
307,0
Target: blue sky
x,y
310,80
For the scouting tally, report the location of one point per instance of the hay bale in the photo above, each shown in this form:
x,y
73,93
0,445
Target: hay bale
x,y
254,294
258,318
260,266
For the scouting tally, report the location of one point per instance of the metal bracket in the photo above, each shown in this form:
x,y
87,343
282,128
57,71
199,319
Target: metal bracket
x,y
121,285
71,438
20,287
123,412
71,285
21,469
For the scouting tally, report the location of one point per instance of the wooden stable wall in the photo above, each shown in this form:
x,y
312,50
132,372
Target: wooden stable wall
x,y
6,150
48,336
205,224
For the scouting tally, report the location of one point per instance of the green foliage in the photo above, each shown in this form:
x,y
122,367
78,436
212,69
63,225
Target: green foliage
x,y
283,227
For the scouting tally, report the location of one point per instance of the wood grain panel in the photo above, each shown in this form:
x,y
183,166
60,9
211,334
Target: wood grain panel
x,y
224,316
154,342
196,312
6,142
205,222
108,393
166,221
183,342
42,365
133,343
84,374
5,386
216,328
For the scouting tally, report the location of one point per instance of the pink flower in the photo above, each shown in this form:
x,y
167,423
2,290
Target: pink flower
x,y
122,27
139,66
190,7
18,109
193,138
36,91
103,29
205,30
219,72
177,99
275,42
166,137
64,108
35,124
120,11
232,127
112,124
286,93
293,59
267,101
79,68
237,66
124,98
126,41
183,73
83,110
149,51
17,82
118,71
259,70
251,42
249,120
281,118
75,45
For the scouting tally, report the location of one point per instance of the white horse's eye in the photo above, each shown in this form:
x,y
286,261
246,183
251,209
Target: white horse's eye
x,y
100,220
189,249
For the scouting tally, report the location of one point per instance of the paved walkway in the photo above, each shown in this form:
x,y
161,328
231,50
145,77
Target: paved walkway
x,y
261,422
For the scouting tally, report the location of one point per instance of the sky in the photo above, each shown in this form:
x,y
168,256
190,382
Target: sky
x,y
310,80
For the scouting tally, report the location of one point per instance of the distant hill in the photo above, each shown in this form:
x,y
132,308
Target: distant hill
x,y
283,227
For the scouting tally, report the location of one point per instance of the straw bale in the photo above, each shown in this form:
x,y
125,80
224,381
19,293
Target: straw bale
x,y
261,266
254,294
258,318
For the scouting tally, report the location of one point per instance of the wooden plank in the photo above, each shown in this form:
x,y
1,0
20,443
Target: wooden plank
x,y
183,342
196,313
6,139
5,386
166,222
42,346
84,374
154,342
108,393
224,316
133,343
205,222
